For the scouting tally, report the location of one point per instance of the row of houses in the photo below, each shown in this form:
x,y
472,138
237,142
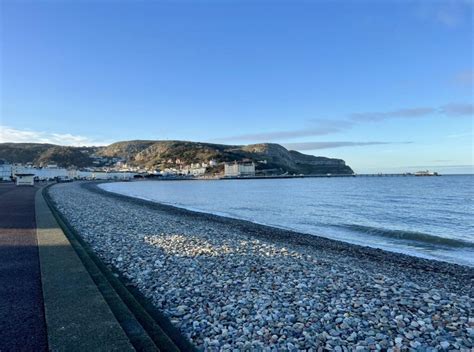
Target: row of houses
x,y
232,169
8,172
179,168
210,163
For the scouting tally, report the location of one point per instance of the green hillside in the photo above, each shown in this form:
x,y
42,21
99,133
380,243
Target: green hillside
x,y
160,154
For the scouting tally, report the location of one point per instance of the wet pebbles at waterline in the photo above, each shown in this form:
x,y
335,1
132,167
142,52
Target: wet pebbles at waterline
x,y
227,288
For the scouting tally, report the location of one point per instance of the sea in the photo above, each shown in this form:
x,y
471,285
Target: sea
x,y
429,217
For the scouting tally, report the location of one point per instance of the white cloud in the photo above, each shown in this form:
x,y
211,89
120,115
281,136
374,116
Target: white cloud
x,y
322,127
383,115
13,135
328,145
454,109
447,110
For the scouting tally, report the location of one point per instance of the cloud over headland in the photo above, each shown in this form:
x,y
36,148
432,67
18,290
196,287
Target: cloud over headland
x,y
447,110
317,127
13,135
328,145
320,127
323,127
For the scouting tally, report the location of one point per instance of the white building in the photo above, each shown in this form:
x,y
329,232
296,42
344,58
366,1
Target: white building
x,y
5,172
236,169
198,171
50,173
25,179
169,172
45,173
194,170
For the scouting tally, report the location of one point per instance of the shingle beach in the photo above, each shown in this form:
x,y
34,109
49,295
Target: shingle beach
x,y
234,285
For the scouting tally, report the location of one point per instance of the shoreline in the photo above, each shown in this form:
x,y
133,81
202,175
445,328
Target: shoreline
x,y
232,284
277,227
295,237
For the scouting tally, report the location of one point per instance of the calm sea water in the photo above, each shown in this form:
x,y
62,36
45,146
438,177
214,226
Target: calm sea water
x,y
431,217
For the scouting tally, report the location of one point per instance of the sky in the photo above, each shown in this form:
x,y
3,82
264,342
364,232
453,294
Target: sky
x,y
386,86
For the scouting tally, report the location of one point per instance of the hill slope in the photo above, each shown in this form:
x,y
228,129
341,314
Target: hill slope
x,y
160,154
43,154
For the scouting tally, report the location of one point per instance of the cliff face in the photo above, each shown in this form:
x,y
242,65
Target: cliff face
x,y
310,164
159,154
296,162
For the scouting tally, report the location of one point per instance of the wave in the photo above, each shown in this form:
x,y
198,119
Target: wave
x,y
408,236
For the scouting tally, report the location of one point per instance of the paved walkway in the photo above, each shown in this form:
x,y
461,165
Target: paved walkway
x,y
48,301
77,315
22,320
54,296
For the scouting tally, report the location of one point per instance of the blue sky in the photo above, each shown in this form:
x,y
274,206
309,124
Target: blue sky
x,y
387,86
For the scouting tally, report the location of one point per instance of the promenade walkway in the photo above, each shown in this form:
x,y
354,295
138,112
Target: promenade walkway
x,y
56,295
22,319
48,301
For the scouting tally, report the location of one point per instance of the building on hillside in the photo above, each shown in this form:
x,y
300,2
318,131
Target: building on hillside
x,y
239,169
169,172
25,179
198,171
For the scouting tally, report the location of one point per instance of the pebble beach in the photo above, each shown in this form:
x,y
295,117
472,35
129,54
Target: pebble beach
x,y
233,285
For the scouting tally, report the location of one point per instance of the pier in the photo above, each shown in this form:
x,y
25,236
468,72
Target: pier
x,y
316,176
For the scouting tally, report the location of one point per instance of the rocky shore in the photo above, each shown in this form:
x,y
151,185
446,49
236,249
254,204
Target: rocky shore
x,y
234,285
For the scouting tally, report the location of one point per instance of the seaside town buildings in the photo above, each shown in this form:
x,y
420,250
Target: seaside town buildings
x,y
121,171
116,172
50,172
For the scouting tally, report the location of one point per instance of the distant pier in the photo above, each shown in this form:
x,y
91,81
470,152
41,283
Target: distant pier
x,y
268,177
316,176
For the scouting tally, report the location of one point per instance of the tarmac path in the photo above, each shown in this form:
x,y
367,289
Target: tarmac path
x,y
22,319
